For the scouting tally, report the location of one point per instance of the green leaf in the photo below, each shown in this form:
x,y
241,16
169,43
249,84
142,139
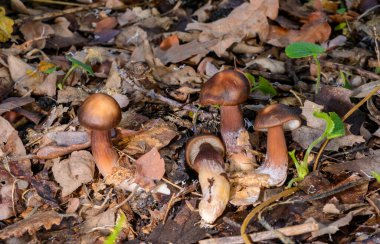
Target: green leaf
x,y
303,49
77,63
377,70
264,86
334,124
251,79
341,26
376,175
112,238
341,11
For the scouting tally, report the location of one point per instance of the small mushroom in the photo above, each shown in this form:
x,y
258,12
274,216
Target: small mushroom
x,y
100,113
229,89
205,155
275,119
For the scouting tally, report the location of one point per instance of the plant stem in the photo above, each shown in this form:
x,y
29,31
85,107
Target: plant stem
x,y
69,72
311,146
318,84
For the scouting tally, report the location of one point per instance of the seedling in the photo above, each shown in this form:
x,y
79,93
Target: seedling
x,y
263,85
74,65
307,49
112,238
334,128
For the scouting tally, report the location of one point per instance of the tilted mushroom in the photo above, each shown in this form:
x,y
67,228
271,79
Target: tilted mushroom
x,y
205,154
100,113
229,89
276,119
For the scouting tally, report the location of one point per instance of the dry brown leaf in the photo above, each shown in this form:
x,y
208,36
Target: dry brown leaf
x,y
71,173
150,168
26,77
334,226
36,29
7,196
31,224
48,86
11,145
156,133
363,166
316,30
178,53
63,36
6,84
105,24
14,102
102,220
245,21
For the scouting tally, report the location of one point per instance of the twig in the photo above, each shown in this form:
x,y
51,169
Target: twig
x,y
266,235
346,116
59,13
279,235
359,71
368,11
58,3
257,209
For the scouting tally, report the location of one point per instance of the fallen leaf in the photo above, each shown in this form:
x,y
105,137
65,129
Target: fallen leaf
x,y
334,226
274,66
71,173
150,168
14,102
355,194
365,89
6,84
32,224
48,86
7,196
178,53
363,166
103,220
11,145
105,24
156,133
71,94
26,77
245,21
36,29
6,26
316,30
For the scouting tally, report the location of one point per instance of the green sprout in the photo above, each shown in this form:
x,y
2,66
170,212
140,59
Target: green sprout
x,y
263,85
307,49
74,65
334,128
112,238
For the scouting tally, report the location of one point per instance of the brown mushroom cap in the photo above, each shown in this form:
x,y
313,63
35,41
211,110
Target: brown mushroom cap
x,y
194,144
275,115
227,88
99,112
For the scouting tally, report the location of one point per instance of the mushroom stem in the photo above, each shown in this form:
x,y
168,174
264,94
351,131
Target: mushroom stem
x,y
236,139
276,161
215,186
105,157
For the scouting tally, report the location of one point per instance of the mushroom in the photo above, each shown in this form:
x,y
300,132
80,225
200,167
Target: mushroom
x,y
205,154
276,119
100,113
229,89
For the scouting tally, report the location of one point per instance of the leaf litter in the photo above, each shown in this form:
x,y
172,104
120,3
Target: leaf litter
x,y
153,58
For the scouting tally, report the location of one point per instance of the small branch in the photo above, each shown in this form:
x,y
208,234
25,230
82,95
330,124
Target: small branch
x,y
359,71
266,235
59,13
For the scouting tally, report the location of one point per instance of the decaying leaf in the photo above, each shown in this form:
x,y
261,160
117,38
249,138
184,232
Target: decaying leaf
x,y
150,168
26,77
363,166
32,224
6,26
73,172
316,30
36,29
14,102
334,226
156,133
6,191
245,21
103,220
11,145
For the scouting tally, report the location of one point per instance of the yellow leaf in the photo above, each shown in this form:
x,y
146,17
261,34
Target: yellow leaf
x,y
43,66
6,24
